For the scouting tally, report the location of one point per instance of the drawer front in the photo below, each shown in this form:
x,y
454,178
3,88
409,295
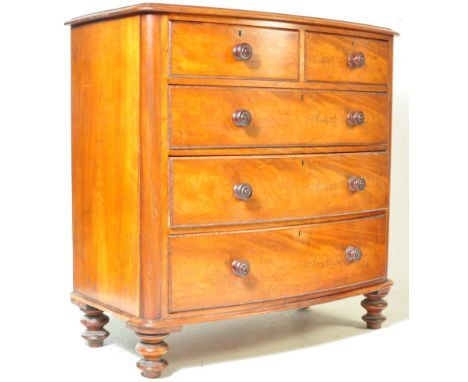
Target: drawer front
x,y
206,117
286,187
204,49
283,263
339,58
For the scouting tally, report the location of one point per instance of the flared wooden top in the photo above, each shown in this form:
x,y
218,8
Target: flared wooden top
x,y
146,8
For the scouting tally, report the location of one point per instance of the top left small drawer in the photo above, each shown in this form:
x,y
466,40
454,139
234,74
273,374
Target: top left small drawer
x,y
209,50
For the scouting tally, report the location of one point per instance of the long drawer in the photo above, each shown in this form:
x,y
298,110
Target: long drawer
x,y
206,191
212,117
217,270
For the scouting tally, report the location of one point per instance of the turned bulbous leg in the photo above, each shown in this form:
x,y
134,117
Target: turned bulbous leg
x,y
375,304
94,320
152,349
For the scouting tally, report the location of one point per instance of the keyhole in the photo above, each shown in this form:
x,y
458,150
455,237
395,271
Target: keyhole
x,y
300,233
302,162
302,97
240,33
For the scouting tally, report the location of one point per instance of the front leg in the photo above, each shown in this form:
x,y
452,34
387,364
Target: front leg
x,y
375,304
151,347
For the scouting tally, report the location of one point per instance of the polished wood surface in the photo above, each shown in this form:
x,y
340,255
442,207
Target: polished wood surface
x,y
94,320
153,166
327,59
218,12
151,348
374,304
206,50
284,188
259,150
156,156
105,155
223,227
278,84
284,263
202,117
174,321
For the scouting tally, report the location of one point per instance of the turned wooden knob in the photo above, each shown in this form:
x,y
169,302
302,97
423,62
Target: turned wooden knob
x,y
242,52
243,191
355,118
353,253
356,183
356,60
240,268
242,118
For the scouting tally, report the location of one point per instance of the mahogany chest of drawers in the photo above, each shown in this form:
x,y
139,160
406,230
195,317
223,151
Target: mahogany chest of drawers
x,y
226,163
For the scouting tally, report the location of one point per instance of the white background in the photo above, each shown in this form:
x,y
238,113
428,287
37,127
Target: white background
x,y
40,328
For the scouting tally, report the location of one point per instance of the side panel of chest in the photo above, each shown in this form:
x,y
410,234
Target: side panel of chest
x,y
105,161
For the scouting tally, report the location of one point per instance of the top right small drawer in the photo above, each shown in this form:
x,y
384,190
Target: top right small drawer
x,y
336,58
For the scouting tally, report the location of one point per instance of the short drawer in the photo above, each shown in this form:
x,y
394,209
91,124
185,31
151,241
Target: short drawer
x,y
208,271
205,49
211,117
346,59
282,188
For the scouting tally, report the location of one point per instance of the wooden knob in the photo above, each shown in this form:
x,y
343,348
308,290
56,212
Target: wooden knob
x,y
356,60
242,118
356,183
243,191
355,118
242,52
240,268
353,253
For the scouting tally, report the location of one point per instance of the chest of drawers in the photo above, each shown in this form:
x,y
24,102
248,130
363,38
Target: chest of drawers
x,y
225,164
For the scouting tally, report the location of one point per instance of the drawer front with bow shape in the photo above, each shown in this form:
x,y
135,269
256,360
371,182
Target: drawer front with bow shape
x,y
229,190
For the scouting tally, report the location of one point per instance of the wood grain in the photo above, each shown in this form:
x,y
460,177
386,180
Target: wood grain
x,y
153,167
252,151
173,322
105,157
284,262
220,12
205,49
271,84
202,116
296,222
284,24
285,187
327,59
164,184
